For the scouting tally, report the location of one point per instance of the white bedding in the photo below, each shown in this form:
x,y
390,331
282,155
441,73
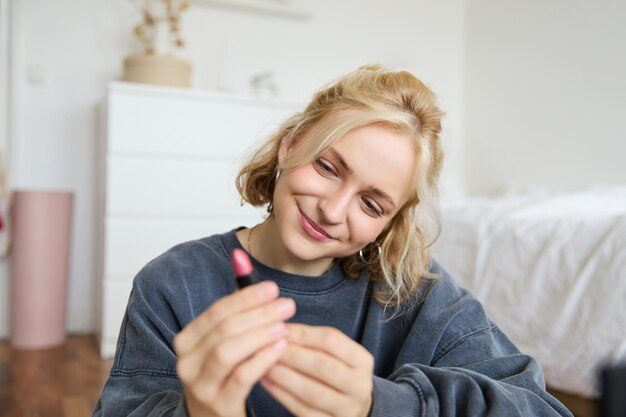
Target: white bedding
x,y
550,270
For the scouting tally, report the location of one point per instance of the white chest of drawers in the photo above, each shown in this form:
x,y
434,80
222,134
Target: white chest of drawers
x,y
167,175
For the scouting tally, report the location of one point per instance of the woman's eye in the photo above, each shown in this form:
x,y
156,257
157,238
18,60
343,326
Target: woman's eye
x,y
324,167
372,207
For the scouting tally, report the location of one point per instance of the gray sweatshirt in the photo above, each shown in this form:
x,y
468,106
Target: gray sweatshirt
x,y
441,357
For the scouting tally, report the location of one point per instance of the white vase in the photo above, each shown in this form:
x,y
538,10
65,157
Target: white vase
x,y
161,38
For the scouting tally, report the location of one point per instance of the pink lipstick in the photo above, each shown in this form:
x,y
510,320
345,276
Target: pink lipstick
x,y
313,229
244,271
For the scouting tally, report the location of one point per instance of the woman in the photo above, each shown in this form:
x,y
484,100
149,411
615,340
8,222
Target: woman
x,y
352,318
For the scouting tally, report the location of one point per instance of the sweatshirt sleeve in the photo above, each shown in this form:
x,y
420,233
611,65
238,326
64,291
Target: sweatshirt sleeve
x,y
167,294
143,380
506,384
472,368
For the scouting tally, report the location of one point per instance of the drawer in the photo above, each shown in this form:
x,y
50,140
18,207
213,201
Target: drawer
x,y
131,243
190,124
172,187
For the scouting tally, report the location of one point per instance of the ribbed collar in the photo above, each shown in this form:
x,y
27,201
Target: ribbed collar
x,y
302,284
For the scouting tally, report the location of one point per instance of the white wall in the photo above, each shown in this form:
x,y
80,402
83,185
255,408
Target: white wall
x,y
65,52
546,93
5,9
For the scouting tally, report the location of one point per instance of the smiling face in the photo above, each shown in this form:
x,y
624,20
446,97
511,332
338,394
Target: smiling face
x,y
336,204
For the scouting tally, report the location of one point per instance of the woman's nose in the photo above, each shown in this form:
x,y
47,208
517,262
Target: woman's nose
x,y
334,206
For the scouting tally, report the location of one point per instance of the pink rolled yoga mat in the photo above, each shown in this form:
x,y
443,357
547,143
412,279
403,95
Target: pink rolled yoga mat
x,y
41,228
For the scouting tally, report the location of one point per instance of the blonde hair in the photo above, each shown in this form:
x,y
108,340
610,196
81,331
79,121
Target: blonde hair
x,y
368,95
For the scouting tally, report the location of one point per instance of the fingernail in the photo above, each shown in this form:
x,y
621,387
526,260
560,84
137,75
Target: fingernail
x,y
278,328
280,344
284,305
268,289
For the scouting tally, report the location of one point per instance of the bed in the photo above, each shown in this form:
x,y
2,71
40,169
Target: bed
x,y
550,269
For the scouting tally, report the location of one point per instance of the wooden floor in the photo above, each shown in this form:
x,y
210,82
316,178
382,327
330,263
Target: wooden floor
x,y
67,381
59,382
580,407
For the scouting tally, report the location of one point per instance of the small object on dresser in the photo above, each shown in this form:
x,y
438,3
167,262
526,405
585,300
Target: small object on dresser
x,y
157,69
159,35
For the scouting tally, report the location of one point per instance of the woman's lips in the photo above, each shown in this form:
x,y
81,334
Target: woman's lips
x,y
312,229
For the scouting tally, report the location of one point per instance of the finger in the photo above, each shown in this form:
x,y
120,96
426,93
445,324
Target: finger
x,y
228,332
290,402
241,300
214,365
240,382
277,310
302,395
323,367
332,341
230,395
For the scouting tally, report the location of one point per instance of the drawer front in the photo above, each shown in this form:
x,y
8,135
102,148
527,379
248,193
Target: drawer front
x,y
171,126
131,243
148,186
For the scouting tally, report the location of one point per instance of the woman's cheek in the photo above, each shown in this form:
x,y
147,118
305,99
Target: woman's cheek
x,y
367,230
305,180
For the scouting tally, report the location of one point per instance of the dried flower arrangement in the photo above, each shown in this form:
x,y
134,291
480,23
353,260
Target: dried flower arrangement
x,y
156,15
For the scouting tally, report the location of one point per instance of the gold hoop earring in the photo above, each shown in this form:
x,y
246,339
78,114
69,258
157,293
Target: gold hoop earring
x,y
371,261
278,174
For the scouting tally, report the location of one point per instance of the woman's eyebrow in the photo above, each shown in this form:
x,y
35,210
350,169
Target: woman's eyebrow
x,y
383,195
340,159
375,190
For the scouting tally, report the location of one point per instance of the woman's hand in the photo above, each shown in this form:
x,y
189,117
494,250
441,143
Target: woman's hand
x,y
322,373
224,351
